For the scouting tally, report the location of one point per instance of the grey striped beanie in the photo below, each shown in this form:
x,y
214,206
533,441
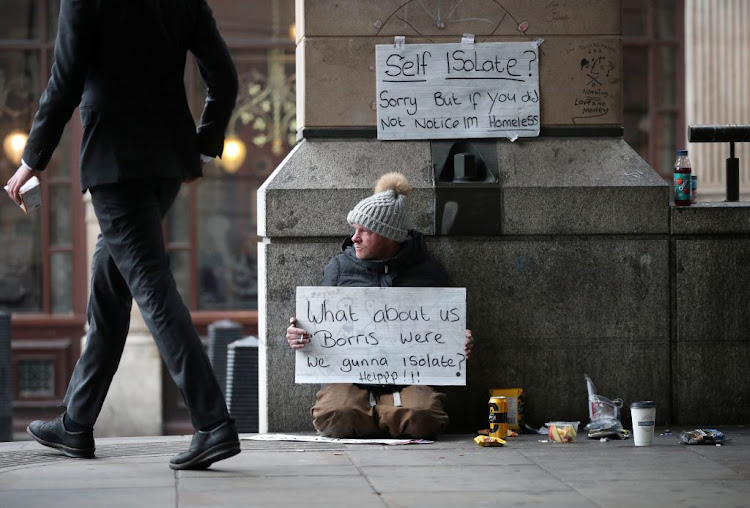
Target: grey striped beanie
x,y
384,212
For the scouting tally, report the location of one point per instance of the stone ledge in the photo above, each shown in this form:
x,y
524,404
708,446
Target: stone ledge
x,y
720,218
580,186
550,186
367,18
585,210
313,189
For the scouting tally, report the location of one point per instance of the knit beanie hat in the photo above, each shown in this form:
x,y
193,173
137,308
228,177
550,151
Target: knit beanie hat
x,y
384,212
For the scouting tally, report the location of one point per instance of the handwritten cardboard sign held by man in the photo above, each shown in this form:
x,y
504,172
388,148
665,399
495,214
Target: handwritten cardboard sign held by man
x,y
399,336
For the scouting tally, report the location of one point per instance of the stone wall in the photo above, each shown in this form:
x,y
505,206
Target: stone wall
x,y
336,52
584,266
648,299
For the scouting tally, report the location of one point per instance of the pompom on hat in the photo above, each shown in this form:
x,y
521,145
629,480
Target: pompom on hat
x,y
384,212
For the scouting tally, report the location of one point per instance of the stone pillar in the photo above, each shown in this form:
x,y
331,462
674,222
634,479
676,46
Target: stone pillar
x,y
574,278
134,403
717,70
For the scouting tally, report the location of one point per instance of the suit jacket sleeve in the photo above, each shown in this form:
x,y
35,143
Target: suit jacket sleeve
x,y
63,94
216,68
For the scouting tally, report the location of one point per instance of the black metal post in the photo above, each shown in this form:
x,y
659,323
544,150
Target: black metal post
x,y
724,134
733,175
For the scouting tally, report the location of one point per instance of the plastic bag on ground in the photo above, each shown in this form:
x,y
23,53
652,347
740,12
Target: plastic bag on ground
x,y
604,415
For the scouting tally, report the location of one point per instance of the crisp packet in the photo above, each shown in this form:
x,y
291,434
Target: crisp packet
x,y
702,436
489,441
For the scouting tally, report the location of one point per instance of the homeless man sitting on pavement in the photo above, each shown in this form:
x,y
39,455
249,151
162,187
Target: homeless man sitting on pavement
x,y
382,252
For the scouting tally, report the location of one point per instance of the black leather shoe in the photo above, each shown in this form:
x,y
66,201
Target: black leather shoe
x,y
208,447
79,445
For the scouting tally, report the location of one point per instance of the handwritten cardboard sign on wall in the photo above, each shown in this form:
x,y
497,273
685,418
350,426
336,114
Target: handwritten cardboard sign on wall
x,y
438,91
399,336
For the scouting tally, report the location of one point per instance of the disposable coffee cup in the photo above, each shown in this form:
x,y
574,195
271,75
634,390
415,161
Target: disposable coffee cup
x,y
644,416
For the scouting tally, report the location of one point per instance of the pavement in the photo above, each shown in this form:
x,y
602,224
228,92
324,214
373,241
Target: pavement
x,y
451,472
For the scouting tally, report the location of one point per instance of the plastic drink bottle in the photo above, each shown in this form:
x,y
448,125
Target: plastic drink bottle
x,y
682,179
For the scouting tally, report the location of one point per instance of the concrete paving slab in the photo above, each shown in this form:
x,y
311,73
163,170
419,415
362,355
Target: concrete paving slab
x,y
730,456
491,498
91,497
269,492
83,474
258,469
691,491
264,463
462,478
451,472
633,464
431,457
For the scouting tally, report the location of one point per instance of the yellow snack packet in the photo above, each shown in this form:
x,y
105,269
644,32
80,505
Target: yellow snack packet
x,y
488,441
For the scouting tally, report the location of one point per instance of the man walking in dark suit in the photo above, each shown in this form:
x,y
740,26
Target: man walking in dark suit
x,y
122,62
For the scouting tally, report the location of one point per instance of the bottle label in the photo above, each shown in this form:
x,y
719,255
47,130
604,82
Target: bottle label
x,y
682,186
694,188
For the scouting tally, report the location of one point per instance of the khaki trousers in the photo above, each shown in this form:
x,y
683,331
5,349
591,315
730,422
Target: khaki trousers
x,y
347,410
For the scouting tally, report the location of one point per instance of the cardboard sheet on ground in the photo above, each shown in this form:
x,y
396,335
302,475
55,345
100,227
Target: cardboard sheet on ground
x,y
322,439
396,336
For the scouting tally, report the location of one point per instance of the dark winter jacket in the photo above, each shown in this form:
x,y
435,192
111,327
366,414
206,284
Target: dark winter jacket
x,y
411,267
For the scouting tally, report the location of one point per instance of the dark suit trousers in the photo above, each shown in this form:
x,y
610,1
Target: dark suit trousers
x,y
130,261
